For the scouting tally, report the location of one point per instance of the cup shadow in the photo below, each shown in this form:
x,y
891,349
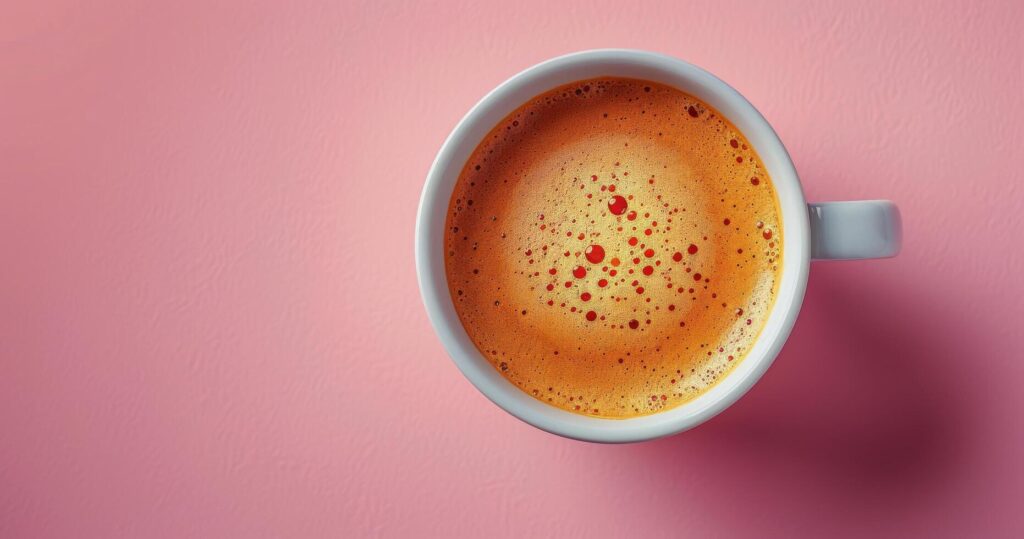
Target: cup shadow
x,y
858,409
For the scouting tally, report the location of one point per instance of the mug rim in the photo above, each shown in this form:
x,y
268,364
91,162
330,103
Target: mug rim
x,y
511,94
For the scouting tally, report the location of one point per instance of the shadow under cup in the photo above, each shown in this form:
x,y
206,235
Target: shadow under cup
x,y
430,227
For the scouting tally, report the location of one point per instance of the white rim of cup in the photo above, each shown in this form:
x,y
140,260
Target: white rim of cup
x,y
511,94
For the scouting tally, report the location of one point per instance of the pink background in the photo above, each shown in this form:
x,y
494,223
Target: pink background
x,y
210,325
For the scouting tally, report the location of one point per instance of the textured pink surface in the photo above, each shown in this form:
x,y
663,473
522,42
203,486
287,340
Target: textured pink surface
x,y
210,324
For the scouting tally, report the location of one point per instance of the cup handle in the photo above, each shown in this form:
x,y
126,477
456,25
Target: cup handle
x,y
855,230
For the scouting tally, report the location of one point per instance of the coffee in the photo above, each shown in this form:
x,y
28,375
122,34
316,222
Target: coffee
x,y
613,247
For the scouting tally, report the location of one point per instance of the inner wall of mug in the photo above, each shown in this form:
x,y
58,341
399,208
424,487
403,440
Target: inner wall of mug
x,y
508,97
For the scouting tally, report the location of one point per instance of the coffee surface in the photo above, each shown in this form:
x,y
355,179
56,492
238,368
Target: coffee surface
x,y
613,247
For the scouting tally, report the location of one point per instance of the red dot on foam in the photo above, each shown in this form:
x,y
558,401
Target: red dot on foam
x,y
617,205
755,181
649,253
591,316
692,249
602,283
633,241
696,276
648,270
595,254
647,232
677,257
585,296
579,272
552,271
631,216
633,324
639,290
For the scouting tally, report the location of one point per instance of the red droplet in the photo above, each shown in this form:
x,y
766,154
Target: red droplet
x,y
636,260
602,283
649,253
591,316
595,254
671,307
754,180
585,296
631,216
611,188
677,257
552,271
647,232
633,241
726,221
551,287
648,270
568,284
696,276
633,324
593,178
639,290
579,272
692,249
617,205
734,144
692,111
767,234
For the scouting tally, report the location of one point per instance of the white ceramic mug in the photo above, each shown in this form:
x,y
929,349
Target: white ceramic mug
x,y
832,230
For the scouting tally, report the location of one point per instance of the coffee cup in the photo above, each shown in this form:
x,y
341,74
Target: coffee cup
x,y
818,231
